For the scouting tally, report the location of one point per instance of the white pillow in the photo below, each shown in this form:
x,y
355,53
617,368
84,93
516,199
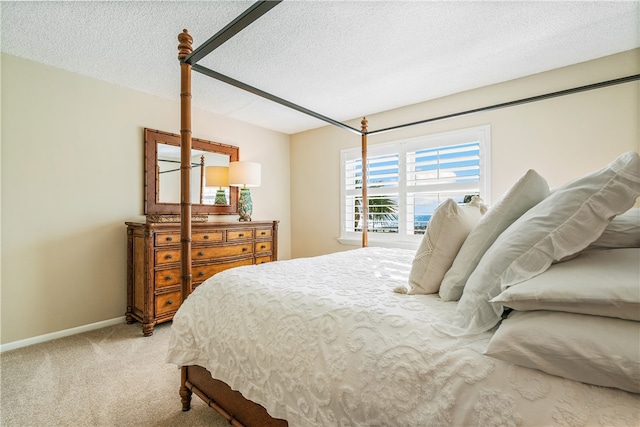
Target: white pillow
x,y
622,232
447,229
591,349
599,282
527,192
567,221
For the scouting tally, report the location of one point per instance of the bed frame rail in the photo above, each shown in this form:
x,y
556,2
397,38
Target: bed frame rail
x,y
230,404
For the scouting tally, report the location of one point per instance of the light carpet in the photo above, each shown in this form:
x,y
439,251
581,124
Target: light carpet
x,y
108,377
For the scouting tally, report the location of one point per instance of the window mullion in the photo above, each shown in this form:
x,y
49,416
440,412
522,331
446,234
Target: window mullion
x,y
402,191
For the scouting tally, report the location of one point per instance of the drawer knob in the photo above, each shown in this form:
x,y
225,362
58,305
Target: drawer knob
x,y
241,235
169,256
206,237
245,249
263,247
169,239
169,302
263,233
200,253
201,273
169,278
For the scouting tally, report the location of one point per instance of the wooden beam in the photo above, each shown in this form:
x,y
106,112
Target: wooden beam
x,y
365,199
185,47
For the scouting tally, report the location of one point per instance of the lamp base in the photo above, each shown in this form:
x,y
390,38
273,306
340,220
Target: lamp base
x,y
245,205
221,198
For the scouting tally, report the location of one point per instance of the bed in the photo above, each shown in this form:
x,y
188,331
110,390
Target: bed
x,y
360,338
319,347
455,333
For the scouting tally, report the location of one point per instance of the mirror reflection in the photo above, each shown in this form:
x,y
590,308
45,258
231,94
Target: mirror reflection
x,y
209,195
203,187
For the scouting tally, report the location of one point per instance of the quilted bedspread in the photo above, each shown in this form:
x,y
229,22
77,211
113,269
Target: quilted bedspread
x,y
325,341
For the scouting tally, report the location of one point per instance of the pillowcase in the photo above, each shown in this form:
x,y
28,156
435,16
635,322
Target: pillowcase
x,y
445,234
622,232
591,349
599,282
527,192
567,221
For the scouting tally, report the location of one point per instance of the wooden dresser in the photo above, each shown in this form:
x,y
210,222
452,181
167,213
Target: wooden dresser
x,y
153,261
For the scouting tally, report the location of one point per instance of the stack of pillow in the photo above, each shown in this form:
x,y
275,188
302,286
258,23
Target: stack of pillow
x,y
448,228
580,318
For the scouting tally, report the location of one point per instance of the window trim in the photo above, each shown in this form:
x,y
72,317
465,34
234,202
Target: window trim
x,y
481,133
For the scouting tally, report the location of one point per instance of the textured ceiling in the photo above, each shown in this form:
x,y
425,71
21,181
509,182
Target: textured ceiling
x,y
342,59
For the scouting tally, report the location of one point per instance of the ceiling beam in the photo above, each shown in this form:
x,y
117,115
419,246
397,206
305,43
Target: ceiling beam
x,y
514,103
254,90
260,8
234,27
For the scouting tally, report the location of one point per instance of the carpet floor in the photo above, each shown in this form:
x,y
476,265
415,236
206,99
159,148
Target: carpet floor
x,y
108,377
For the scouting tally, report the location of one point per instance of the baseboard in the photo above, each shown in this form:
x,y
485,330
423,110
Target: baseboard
x,y
60,334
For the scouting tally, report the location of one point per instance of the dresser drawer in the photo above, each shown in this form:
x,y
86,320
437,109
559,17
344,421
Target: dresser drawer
x,y
263,232
169,277
263,247
203,272
222,251
166,303
164,239
166,256
207,236
172,238
263,259
239,234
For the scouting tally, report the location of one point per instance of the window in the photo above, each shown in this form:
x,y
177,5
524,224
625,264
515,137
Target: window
x,y
408,179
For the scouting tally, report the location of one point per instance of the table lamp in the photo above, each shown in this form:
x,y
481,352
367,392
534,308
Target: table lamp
x,y
244,175
217,176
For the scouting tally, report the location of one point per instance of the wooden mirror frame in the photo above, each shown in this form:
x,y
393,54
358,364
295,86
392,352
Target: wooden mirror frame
x,y
151,204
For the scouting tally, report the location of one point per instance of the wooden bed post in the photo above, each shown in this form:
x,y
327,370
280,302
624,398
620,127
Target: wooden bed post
x,y
202,179
185,48
365,201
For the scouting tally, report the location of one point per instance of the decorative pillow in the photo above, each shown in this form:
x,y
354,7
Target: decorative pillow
x,y
567,221
591,349
527,192
622,232
445,234
599,282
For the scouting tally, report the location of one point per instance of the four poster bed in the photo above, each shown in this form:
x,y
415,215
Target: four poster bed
x,y
509,335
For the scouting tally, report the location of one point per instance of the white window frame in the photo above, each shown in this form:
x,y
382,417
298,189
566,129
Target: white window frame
x,y
480,134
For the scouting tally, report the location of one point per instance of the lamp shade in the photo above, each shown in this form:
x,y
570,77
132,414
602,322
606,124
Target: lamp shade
x,y
245,174
216,176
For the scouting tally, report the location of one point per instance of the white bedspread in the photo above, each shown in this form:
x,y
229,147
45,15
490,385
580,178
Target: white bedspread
x,y
325,341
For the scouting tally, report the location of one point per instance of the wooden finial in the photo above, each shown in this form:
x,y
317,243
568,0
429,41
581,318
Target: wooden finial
x,y
185,46
364,123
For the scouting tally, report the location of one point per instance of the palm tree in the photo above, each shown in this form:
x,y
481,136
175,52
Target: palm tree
x,y
384,210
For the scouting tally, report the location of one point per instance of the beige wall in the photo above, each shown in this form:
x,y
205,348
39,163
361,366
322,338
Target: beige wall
x,y
72,174
562,138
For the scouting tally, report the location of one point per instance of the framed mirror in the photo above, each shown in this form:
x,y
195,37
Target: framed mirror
x,y
162,175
